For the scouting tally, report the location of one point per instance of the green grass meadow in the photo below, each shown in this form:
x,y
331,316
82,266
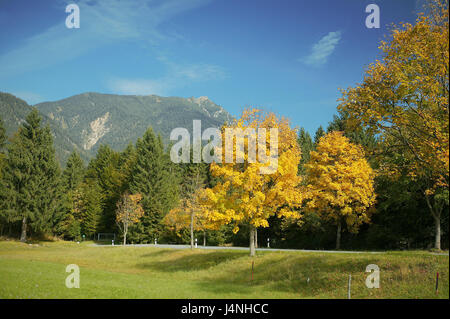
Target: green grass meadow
x,y
38,271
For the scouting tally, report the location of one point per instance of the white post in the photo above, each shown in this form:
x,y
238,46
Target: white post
x,y
195,242
156,242
112,242
268,243
349,287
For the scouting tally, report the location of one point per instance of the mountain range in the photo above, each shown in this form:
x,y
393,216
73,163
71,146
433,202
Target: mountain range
x,y
85,121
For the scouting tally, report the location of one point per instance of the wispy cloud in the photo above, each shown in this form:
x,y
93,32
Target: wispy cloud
x,y
30,97
322,49
101,23
177,75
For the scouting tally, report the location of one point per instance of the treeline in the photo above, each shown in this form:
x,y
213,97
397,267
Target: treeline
x,y
39,199
381,165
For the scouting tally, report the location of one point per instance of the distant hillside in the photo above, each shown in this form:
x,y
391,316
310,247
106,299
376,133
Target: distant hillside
x,y
85,121
91,119
13,111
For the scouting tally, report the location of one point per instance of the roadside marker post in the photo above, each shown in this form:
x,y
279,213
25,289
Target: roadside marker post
x,y
349,286
253,264
437,283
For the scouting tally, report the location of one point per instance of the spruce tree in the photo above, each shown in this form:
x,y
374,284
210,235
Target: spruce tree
x,y
154,177
306,146
104,171
32,177
319,133
74,172
72,177
3,206
2,135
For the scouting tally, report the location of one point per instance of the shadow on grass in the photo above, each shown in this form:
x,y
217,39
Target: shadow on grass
x,y
288,275
158,253
189,262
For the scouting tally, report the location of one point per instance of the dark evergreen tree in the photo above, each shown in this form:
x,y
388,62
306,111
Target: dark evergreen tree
x,y
2,135
72,178
319,133
91,207
306,146
155,177
359,135
32,178
74,172
104,170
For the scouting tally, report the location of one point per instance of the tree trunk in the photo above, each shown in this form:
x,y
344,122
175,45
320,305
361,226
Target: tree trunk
x,y
256,237
204,238
192,230
125,238
23,235
437,235
252,241
436,213
338,236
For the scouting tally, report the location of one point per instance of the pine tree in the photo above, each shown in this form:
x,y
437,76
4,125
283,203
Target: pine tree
x,y
32,177
154,176
72,177
74,172
3,214
319,133
90,203
2,135
104,171
306,145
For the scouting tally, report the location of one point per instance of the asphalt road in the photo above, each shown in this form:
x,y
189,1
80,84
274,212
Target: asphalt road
x,y
243,248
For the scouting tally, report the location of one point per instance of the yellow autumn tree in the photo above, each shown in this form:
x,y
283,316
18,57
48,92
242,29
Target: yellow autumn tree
x,y
260,179
189,214
128,212
404,99
340,183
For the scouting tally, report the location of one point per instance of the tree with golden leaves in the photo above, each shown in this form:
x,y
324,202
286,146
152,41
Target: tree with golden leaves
x,y
340,183
189,214
260,179
128,212
404,99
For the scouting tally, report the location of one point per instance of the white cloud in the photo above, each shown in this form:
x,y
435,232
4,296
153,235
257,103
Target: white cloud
x,y
322,49
177,75
29,97
101,23
139,86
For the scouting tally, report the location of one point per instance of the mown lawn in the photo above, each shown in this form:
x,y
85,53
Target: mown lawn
x,y
38,271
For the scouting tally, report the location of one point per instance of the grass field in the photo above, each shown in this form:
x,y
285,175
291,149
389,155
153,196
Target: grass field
x,y
38,271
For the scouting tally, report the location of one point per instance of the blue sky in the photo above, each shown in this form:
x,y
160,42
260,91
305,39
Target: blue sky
x,y
287,56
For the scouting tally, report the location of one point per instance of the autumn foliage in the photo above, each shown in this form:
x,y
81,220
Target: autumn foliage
x,y
129,211
340,182
246,196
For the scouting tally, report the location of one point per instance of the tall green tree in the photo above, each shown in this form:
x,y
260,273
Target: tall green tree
x,y
153,176
2,134
104,170
74,172
72,178
319,133
32,177
306,145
